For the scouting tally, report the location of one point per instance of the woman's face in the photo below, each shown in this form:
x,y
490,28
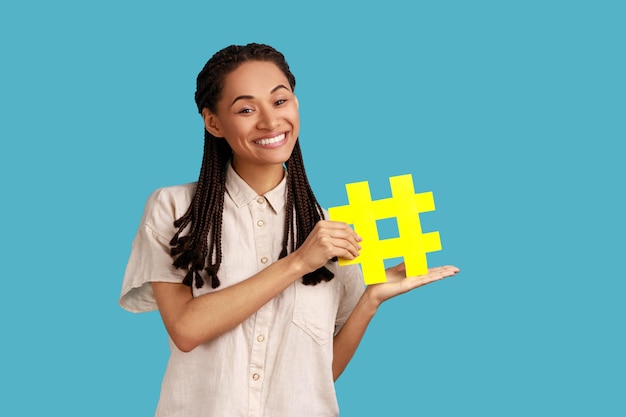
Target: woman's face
x,y
257,115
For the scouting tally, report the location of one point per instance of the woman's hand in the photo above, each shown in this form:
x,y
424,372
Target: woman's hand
x,y
327,240
349,337
397,283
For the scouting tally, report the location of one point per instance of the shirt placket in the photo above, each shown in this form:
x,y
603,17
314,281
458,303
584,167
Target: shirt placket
x,y
262,238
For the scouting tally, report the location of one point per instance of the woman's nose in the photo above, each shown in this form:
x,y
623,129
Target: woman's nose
x,y
268,120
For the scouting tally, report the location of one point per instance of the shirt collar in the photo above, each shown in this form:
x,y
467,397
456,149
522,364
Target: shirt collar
x,y
241,193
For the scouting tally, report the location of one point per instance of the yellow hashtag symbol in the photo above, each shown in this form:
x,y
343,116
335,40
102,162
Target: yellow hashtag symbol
x,y
405,206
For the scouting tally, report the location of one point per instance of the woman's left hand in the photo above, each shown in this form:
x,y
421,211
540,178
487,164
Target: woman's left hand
x,y
397,282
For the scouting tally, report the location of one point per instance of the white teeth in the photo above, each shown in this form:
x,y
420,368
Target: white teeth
x,y
270,140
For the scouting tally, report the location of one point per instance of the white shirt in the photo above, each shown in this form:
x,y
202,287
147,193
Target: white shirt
x,y
278,362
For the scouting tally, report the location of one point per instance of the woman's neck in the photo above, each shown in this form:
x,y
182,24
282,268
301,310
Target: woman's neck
x,y
261,178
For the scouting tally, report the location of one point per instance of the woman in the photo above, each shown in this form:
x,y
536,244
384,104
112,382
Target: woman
x,y
261,320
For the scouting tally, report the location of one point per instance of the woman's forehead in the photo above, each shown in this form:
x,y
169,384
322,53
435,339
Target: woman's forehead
x,y
254,78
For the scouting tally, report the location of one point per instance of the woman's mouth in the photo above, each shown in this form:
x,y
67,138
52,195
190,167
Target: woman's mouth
x,y
270,141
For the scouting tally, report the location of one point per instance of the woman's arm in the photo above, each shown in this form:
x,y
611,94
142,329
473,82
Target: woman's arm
x,y
191,321
348,338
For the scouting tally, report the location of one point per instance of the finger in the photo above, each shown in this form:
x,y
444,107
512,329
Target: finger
x,y
443,272
434,274
350,249
345,238
444,269
416,282
340,229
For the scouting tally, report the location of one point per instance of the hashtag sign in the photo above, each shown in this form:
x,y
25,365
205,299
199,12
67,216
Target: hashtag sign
x,y
405,206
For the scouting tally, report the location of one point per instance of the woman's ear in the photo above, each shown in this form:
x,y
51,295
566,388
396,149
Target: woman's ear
x,y
211,123
297,103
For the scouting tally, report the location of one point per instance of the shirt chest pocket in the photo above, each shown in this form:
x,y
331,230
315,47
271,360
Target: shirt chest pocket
x,y
315,309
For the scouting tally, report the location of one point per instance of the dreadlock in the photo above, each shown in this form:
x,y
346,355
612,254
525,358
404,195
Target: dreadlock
x,y
201,246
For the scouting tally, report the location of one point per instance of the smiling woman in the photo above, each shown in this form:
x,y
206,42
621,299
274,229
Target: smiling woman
x,y
259,120
279,320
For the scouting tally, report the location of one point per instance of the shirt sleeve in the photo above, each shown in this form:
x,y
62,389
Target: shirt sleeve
x,y
351,288
150,259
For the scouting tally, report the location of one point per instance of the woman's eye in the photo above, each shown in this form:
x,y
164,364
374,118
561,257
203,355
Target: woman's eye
x,y
281,101
245,111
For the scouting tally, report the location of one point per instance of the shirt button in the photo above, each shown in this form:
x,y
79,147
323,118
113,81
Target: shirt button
x,y
256,377
260,223
260,200
260,338
264,260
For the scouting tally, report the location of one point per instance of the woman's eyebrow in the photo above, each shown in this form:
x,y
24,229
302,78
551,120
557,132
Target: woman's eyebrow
x,y
278,87
247,97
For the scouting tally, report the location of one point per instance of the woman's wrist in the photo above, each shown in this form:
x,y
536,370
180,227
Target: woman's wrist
x,y
297,265
369,301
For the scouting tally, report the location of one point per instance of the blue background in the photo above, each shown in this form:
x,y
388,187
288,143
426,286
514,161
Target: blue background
x,y
512,113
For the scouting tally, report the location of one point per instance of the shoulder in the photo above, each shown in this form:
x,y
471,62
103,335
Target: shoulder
x,y
166,204
171,196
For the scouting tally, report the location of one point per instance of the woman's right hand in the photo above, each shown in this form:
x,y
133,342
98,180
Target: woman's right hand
x,y
327,240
